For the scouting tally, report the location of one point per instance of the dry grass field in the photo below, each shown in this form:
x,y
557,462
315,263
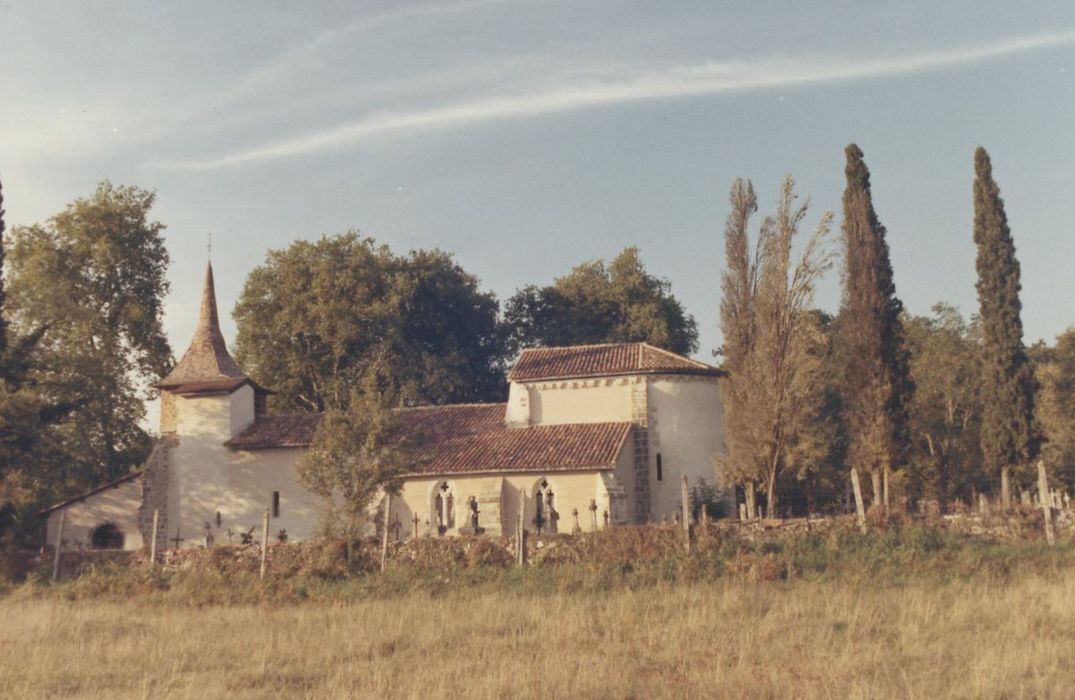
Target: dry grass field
x,y
728,638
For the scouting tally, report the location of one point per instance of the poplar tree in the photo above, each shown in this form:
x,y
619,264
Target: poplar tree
x,y
765,317
878,385
1007,381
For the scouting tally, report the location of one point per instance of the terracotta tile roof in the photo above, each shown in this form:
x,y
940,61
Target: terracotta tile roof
x,y
580,361
467,438
207,358
267,432
545,448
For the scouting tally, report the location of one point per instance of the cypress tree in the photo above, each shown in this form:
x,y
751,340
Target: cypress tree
x,y
877,382
1007,379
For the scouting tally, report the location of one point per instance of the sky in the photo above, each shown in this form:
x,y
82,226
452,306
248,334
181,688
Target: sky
x,y
528,136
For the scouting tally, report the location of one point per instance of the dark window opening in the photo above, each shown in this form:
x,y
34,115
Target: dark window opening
x,y
276,504
660,468
107,536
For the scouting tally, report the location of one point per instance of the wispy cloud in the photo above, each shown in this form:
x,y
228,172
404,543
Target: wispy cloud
x,y
310,50
677,81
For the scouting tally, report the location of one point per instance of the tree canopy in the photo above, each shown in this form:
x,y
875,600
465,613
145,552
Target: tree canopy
x,y
84,298
316,316
946,410
597,303
357,453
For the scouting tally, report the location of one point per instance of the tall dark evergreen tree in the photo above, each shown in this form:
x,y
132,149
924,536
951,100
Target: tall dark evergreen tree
x,y
878,383
1008,381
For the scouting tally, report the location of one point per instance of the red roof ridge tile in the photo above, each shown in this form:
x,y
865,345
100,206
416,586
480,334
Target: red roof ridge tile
x,y
603,360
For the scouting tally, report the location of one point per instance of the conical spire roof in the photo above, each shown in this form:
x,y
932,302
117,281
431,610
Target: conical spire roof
x,y
207,359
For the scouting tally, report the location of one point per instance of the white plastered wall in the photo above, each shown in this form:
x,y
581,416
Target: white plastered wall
x,y
117,505
685,414
572,490
602,400
206,478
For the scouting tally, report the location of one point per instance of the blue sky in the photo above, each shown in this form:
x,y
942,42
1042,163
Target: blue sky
x,y
528,136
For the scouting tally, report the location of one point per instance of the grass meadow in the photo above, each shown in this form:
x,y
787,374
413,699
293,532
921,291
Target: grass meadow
x,y
905,615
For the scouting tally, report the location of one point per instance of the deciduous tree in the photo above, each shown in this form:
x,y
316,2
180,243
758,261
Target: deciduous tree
x,y
946,410
595,303
357,453
764,311
84,300
1054,374
315,315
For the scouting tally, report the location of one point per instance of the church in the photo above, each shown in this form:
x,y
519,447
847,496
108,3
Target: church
x,y
591,436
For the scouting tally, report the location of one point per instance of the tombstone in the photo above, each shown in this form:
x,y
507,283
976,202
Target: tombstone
x,y
472,527
208,535
593,514
491,507
576,528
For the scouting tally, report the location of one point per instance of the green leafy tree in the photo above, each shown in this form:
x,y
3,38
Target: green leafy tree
x,y
1007,378
597,303
1054,373
358,453
946,410
315,316
879,386
818,445
84,298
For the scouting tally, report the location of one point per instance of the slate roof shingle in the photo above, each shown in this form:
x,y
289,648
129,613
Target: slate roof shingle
x,y
578,361
207,359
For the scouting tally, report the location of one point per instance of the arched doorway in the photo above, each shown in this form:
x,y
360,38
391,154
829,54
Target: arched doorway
x,y
107,536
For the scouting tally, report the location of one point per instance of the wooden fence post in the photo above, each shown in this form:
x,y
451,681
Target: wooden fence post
x,y
860,508
384,540
264,542
685,495
520,531
153,539
1046,502
59,546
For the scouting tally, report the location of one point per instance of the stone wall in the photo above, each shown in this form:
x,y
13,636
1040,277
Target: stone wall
x,y
155,491
640,417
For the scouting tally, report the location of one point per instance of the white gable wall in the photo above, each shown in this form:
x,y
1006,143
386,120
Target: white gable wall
x,y
117,505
